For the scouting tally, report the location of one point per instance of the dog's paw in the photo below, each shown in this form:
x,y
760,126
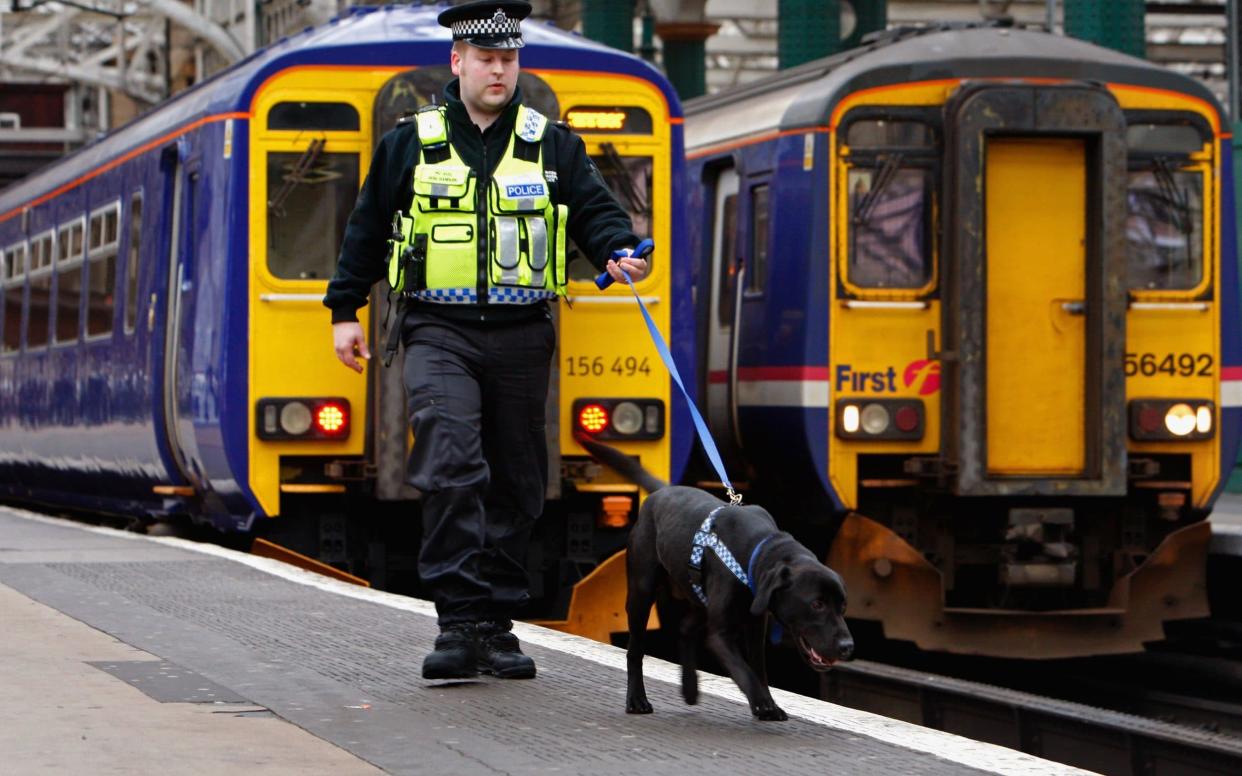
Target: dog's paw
x,y
637,705
770,712
691,695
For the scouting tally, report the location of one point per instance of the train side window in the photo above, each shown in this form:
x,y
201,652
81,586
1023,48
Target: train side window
x,y
14,277
101,251
890,211
309,198
40,295
131,261
1164,227
69,271
757,272
333,116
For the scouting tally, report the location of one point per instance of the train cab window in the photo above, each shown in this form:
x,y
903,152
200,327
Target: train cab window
x,y
630,178
890,180
40,283
131,261
13,280
890,225
1164,228
332,116
757,272
101,252
310,196
69,270
1164,199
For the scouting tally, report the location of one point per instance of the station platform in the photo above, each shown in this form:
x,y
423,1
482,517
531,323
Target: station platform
x,y
133,654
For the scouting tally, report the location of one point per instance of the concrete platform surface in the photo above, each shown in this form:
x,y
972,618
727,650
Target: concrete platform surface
x,y
132,654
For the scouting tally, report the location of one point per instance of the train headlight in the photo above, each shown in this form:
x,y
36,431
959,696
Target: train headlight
x,y
1180,420
880,419
619,419
1154,420
849,419
874,419
297,418
627,418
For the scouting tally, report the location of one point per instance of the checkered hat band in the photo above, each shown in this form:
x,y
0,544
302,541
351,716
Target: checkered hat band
x,y
496,25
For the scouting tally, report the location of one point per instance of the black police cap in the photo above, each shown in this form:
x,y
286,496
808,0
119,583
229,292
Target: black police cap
x,y
492,24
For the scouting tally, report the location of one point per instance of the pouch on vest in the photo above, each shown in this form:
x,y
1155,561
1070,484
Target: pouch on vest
x,y
441,188
402,226
519,243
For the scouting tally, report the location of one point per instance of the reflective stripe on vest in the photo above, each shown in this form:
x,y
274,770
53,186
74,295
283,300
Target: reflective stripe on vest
x,y
434,253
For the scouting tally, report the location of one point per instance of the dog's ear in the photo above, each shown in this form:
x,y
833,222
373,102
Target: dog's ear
x,y
773,578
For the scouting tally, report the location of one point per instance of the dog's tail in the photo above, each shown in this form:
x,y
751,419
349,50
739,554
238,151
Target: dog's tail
x,y
622,464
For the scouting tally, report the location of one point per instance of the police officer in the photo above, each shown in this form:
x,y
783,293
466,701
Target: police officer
x,y
468,208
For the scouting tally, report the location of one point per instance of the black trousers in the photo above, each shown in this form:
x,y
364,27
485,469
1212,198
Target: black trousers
x,y
476,396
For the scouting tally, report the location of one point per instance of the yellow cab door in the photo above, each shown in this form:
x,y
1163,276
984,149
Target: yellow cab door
x,y
1035,224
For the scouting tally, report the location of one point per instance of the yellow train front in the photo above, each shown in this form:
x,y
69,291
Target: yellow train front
x,y
977,289
315,115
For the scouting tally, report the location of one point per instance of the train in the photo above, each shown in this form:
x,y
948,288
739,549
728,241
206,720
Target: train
x,y
166,354
972,315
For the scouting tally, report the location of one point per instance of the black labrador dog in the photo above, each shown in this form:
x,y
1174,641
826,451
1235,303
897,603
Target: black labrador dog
x,y
806,598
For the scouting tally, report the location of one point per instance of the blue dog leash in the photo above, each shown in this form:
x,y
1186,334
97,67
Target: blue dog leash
x,y
643,250
705,537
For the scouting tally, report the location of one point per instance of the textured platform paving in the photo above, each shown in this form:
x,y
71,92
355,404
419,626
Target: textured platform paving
x,y
224,650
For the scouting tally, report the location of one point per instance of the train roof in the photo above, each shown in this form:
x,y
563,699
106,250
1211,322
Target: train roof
x,y
806,95
364,36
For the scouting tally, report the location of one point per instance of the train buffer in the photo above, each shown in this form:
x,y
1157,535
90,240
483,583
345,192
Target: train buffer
x,y
133,654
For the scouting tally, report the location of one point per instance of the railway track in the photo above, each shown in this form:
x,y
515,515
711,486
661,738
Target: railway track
x,y
1077,734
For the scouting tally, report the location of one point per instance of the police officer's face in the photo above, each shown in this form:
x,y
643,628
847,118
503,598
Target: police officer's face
x,y
488,76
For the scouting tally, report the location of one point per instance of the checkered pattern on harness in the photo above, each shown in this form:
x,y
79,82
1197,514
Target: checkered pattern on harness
x,y
503,295
499,24
706,538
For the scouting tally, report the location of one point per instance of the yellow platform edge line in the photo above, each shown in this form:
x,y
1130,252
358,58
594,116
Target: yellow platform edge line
x,y
265,549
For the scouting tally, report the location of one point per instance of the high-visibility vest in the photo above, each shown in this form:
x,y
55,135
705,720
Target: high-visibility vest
x,y
455,241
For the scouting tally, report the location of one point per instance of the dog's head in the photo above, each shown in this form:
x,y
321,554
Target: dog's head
x,y
809,600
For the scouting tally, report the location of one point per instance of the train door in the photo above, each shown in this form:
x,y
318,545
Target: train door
x,y
1033,314
723,310
180,186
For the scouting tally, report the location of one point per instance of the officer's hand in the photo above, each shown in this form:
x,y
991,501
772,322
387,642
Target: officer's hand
x,y
350,342
632,264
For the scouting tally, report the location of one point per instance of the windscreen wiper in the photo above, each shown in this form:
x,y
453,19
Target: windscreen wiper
x,y
1170,193
625,186
296,176
885,176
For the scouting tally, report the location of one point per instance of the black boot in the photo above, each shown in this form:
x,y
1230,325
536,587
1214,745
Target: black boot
x,y
499,652
455,655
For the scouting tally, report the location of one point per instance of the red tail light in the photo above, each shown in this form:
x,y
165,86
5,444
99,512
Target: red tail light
x,y
332,419
592,418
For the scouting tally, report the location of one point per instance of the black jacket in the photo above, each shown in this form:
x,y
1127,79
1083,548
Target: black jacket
x,y
597,222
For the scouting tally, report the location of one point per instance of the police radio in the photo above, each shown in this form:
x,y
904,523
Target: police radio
x,y
643,250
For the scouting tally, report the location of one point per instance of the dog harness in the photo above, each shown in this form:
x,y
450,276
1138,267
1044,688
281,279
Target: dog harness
x,y
706,538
